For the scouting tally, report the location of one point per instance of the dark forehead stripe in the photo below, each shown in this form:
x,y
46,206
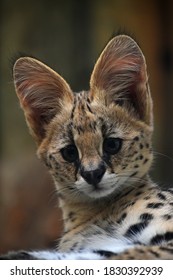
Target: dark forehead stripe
x,y
82,103
82,116
73,109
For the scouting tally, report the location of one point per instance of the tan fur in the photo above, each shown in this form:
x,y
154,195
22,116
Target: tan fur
x,y
118,105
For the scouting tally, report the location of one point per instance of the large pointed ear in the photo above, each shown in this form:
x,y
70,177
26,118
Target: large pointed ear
x,y
120,77
42,93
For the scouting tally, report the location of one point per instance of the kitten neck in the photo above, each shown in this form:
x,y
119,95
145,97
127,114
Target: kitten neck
x,y
81,211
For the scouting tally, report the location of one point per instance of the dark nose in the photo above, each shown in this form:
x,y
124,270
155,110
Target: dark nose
x,y
93,177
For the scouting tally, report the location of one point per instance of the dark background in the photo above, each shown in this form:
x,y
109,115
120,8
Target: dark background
x,y
68,36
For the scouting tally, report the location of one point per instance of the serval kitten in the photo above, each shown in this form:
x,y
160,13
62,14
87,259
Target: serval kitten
x,y
97,147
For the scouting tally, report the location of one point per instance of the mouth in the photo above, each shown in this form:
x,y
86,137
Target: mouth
x,y
110,185
96,187
104,188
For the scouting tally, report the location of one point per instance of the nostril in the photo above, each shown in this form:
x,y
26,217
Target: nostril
x,y
98,173
93,177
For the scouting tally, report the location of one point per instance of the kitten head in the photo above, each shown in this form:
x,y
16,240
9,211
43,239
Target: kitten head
x,y
95,142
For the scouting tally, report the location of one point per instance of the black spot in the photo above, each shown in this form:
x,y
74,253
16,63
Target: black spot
x,y
154,253
136,228
147,197
131,145
146,217
167,217
89,109
136,166
129,204
134,174
170,191
136,138
51,157
137,243
71,188
141,157
47,163
75,245
57,165
140,187
147,145
88,100
154,205
79,129
120,102
140,251
161,196
105,253
145,160
71,216
121,219
138,193
60,178
157,239
72,112
171,203
141,146
166,249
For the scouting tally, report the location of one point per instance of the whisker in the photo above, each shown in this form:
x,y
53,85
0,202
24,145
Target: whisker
x,y
135,178
73,191
163,155
53,195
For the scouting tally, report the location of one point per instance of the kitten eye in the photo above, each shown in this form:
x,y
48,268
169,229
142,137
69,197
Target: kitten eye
x,y
69,153
112,145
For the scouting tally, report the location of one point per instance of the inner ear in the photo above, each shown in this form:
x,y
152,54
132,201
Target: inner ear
x,y
42,93
120,77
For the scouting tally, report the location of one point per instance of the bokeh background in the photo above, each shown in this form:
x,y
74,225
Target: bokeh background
x,y
68,36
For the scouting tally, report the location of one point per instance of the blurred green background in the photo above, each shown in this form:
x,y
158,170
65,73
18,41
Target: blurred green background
x,y
68,36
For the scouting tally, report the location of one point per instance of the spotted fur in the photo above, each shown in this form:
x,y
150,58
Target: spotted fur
x,y
111,208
